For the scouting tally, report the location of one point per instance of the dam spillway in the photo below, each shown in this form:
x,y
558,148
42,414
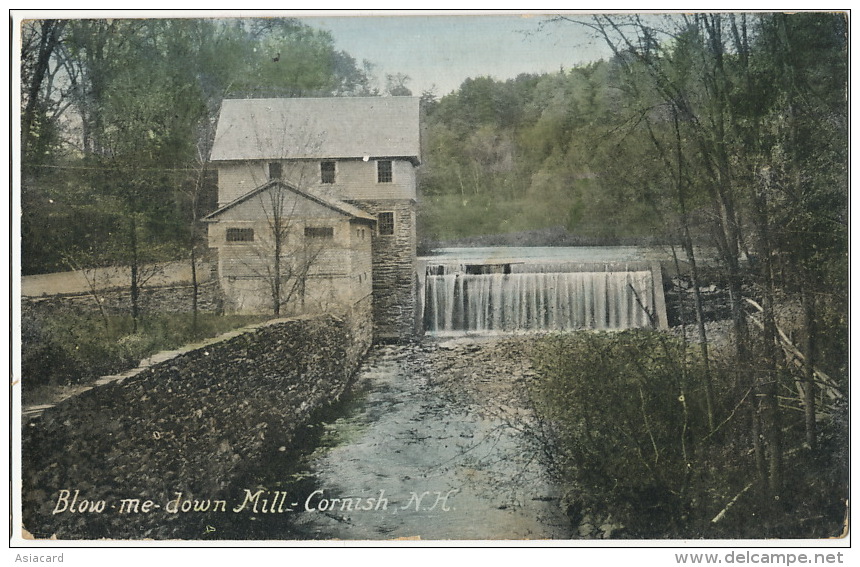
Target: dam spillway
x,y
502,290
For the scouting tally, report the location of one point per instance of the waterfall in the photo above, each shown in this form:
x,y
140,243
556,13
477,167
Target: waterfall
x,y
538,300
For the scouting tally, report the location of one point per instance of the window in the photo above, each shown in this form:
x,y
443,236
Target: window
x,y
275,171
385,223
327,171
319,232
384,173
240,235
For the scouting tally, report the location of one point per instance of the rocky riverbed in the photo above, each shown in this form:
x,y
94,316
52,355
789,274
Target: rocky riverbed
x,y
446,416
434,445
491,377
450,417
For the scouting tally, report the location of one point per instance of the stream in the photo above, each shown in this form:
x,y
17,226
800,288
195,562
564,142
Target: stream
x,y
404,459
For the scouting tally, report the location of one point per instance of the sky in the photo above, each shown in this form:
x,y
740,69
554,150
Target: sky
x,y
440,51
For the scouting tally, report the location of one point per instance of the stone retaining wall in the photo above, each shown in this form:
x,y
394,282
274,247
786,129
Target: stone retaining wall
x,y
192,425
165,299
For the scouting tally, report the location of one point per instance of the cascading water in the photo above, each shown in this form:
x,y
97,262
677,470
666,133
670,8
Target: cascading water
x,y
541,301
520,290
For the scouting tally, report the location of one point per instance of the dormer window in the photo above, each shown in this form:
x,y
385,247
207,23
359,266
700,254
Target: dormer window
x,y
384,171
327,172
275,170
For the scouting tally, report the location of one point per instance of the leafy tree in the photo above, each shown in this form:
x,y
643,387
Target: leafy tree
x,y
42,106
124,109
395,84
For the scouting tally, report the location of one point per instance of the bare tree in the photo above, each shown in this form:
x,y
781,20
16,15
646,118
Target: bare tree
x,y
285,256
78,261
194,190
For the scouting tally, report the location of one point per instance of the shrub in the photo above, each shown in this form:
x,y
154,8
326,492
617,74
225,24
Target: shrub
x,y
625,428
621,410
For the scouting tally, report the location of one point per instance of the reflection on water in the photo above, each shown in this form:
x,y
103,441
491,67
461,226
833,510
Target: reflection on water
x,y
405,463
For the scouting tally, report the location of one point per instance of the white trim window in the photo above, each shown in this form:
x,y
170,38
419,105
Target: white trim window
x,y
385,223
384,171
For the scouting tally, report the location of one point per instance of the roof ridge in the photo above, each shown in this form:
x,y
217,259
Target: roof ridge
x,y
335,204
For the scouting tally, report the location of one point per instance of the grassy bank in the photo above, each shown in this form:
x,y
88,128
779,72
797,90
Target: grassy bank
x,y
68,347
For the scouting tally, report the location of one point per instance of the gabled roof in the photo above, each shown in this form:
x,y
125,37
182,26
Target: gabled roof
x,y
336,205
318,128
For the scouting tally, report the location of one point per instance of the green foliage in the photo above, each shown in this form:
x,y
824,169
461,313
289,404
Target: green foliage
x,y
280,57
734,135
69,347
108,156
729,97
447,217
537,148
622,417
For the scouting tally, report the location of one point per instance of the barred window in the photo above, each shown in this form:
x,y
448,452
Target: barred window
x,y
327,171
319,232
385,223
240,235
384,171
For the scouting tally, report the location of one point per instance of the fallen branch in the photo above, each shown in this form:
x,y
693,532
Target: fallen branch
x,y
799,359
731,503
731,415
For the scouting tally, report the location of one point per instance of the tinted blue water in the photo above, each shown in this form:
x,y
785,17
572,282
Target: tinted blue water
x,y
407,463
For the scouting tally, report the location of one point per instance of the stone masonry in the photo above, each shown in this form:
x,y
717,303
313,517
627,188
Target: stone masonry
x,y
394,270
195,424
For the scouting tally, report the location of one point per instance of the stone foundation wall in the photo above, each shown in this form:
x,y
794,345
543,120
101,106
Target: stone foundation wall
x,y
193,425
394,270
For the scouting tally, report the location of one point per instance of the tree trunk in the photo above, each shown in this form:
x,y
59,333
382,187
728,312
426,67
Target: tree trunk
x,y
48,41
700,323
758,447
694,272
276,283
195,286
772,423
135,275
808,299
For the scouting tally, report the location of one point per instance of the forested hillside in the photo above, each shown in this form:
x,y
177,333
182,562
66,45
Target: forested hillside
x,y
726,130
610,150
118,116
529,153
